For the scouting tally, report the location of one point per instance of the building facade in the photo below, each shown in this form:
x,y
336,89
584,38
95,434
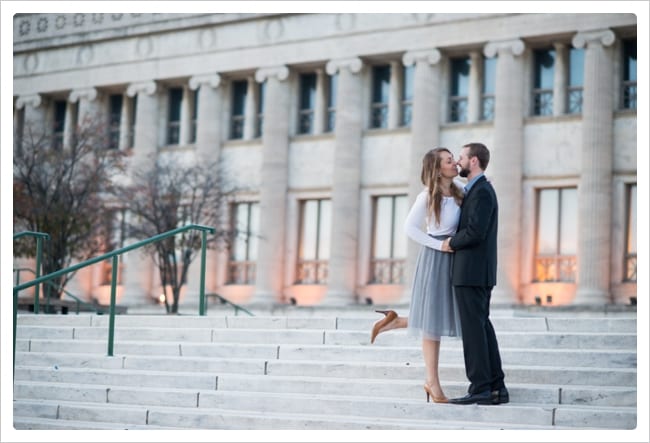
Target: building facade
x,y
325,118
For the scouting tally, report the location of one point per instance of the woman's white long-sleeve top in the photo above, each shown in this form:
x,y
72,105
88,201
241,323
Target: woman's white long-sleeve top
x,y
418,228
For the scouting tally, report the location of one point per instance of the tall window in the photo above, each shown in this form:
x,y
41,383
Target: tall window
x,y
259,121
576,76
243,252
543,66
630,248
175,99
114,117
314,249
194,114
488,88
389,241
557,233
307,103
407,95
239,91
331,102
380,95
58,124
134,108
629,75
459,90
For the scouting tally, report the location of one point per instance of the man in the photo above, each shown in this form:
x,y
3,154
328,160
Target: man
x,y
474,276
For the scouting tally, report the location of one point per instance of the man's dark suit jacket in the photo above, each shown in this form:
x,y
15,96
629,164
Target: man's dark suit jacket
x,y
475,242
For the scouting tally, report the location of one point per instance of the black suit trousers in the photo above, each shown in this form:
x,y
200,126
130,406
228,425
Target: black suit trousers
x,y
480,347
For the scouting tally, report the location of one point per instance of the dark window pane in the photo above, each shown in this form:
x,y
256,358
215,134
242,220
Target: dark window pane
x,y
380,84
239,90
175,99
460,76
544,63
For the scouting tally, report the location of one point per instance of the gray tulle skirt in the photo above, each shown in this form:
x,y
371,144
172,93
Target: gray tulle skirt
x,y
433,311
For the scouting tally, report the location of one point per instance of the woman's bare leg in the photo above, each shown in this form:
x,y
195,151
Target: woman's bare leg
x,y
431,354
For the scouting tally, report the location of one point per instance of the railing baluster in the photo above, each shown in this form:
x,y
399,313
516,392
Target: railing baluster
x,y
111,311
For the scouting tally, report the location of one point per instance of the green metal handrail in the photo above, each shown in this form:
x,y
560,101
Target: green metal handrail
x,y
114,255
237,308
79,302
39,255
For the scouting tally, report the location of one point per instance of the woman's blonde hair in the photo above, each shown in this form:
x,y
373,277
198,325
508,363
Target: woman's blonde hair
x,y
431,179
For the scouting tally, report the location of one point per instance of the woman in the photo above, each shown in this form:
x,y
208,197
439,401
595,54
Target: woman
x,y
433,311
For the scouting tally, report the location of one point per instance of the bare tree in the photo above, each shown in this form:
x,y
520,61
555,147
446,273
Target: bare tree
x,y
60,190
169,194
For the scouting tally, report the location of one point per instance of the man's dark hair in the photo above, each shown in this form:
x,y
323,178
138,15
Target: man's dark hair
x,y
480,151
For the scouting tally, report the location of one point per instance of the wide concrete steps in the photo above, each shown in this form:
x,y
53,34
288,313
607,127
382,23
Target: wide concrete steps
x,y
292,372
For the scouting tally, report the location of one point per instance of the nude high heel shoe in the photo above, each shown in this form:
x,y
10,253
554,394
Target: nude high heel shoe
x,y
429,392
389,316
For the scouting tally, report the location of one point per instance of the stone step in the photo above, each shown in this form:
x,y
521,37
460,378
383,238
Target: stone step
x,y
534,340
224,419
34,423
370,408
507,323
118,365
406,389
52,351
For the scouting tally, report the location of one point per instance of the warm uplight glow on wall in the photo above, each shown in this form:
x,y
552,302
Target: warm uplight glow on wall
x,y
549,294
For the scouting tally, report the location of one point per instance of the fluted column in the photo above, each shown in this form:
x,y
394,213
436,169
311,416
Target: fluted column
x,y
125,118
250,110
346,182
34,117
320,102
208,125
474,97
89,116
394,99
425,133
89,111
560,79
595,188
145,144
274,183
505,169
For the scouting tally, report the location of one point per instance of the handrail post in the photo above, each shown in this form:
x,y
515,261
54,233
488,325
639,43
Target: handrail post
x,y
202,301
111,315
15,320
39,253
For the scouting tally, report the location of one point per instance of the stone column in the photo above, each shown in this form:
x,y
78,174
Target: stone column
x,y
274,183
186,117
34,117
425,134
394,96
595,188
89,118
145,144
346,182
505,169
320,102
474,97
208,125
125,118
89,111
70,125
250,110
560,79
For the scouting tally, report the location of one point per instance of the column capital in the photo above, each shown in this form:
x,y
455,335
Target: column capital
x,y
34,100
281,72
148,87
89,94
431,56
515,46
604,37
354,64
212,80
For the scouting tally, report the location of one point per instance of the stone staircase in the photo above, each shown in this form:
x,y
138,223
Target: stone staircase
x,y
315,369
